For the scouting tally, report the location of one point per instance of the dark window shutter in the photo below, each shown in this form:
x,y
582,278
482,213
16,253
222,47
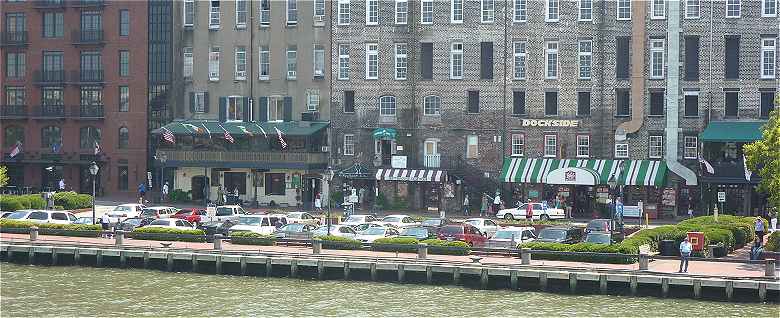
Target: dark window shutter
x,y
732,104
657,104
206,102
518,103
263,109
192,103
767,103
551,103
486,60
622,51
426,60
583,103
349,101
247,111
732,57
473,102
623,100
288,108
222,109
691,58
691,105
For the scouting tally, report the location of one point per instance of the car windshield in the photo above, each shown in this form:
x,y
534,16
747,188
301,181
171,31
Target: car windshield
x,y
353,219
473,222
249,220
160,222
597,225
452,230
507,234
431,222
552,234
295,215
598,238
374,231
393,219
415,231
296,227
83,221
17,215
224,211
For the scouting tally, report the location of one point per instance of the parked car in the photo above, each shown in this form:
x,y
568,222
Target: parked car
x,y
374,233
599,238
260,224
399,220
365,226
566,235
43,216
356,219
541,212
229,212
418,232
4,214
192,215
172,223
435,223
598,225
509,237
158,212
210,228
462,232
302,217
130,224
86,220
295,231
130,210
335,230
486,226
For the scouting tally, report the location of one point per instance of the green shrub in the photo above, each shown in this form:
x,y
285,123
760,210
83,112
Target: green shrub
x,y
83,230
339,243
72,200
628,250
773,242
20,202
10,203
252,238
168,234
178,195
59,207
447,247
395,244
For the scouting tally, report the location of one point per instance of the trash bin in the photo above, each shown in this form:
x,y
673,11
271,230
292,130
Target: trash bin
x,y
667,248
697,240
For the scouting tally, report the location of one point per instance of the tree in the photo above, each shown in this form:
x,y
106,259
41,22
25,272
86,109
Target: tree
x,y
3,176
763,156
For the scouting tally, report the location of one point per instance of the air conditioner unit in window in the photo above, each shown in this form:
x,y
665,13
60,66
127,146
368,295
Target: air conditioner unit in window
x,y
318,18
325,148
291,74
310,116
318,73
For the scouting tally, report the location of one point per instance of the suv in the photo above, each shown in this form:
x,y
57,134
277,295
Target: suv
x,y
158,212
598,225
131,210
462,232
43,216
260,224
229,212
565,235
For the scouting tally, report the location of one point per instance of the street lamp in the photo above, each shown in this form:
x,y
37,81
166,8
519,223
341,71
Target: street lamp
x,y
329,178
162,158
612,182
93,170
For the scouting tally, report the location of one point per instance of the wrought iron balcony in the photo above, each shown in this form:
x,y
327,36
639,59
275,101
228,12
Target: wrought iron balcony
x,y
87,37
49,4
13,111
49,77
246,158
87,76
88,3
91,111
14,38
50,111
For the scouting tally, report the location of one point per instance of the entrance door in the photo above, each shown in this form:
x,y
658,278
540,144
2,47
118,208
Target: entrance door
x,y
311,187
198,184
431,154
51,177
387,151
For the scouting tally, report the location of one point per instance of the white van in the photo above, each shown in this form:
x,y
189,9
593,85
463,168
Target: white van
x,y
260,224
43,216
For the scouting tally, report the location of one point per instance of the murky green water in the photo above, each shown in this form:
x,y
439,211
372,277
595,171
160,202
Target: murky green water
x,y
82,291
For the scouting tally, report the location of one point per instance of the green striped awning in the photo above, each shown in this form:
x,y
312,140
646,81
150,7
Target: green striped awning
x,y
628,172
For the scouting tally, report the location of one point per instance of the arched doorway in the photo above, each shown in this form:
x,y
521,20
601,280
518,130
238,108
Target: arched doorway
x,y
198,186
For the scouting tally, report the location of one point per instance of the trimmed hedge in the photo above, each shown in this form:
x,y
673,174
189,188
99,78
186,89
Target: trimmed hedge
x,y
447,247
72,200
628,251
167,234
773,242
252,238
82,230
20,202
339,243
395,244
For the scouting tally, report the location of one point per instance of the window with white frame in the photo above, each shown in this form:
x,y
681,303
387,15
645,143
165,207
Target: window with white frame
x,y
518,145
657,58
585,10
264,60
621,150
583,146
585,57
768,8
692,9
372,12
319,10
241,7
292,12
551,58
319,61
200,102
550,146
214,14
519,55
432,105
387,106
472,147
456,60
188,11
349,145
372,61
488,11
265,13
214,64
551,11
312,99
658,9
456,11
240,63
624,9
234,108
343,12
520,12
400,61
733,8
691,147
275,109
656,146
188,62
426,11
401,11
343,62
292,63
768,57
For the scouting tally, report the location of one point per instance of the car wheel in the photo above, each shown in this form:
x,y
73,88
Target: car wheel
x,y
509,217
544,217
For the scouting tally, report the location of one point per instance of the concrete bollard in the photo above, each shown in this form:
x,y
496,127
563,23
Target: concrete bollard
x,y
119,238
316,246
218,242
770,268
33,233
644,260
422,251
525,254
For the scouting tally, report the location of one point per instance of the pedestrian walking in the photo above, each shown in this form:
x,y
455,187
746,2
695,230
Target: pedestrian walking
x,y
318,202
484,206
760,228
529,211
773,222
165,191
497,202
62,184
755,251
104,223
466,204
141,192
685,253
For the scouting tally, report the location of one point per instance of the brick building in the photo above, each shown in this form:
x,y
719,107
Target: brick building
x,y
74,76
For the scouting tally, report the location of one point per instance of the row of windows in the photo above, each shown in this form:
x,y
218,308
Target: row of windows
x,y
55,96
53,23
51,137
520,10
237,108
242,12
91,65
264,63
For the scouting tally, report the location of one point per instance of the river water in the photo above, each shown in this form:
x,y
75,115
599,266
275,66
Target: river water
x,y
83,291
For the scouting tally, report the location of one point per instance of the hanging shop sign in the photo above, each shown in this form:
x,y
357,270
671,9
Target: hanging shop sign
x,y
550,123
669,197
398,162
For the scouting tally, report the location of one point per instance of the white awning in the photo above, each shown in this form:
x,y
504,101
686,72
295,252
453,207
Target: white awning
x,y
411,175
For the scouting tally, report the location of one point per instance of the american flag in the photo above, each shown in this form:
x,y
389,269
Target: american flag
x,y
97,148
168,136
17,149
281,138
228,137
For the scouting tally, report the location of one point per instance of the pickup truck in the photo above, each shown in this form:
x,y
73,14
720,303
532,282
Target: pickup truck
x,y
225,212
541,212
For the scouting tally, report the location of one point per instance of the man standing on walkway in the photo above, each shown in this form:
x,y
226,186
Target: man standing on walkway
x,y
141,192
484,206
773,221
685,253
466,204
760,228
165,191
62,185
104,223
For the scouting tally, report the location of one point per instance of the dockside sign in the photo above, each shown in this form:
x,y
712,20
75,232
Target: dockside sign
x,y
550,123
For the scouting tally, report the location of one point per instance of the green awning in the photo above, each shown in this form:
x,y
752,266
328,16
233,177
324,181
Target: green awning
x,y
628,172
385,133
195,127
733,131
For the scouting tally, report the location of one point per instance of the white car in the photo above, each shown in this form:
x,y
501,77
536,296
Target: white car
x,y
365,226
172,224
510,236
486,226
357,219
232,212
335,230
159,212
260,224
43,216
399,220
541,212
123,211
302,217
373,233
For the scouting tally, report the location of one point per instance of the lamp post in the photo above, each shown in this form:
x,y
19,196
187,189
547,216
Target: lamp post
x,y
329,178
93,170
162,158
612,182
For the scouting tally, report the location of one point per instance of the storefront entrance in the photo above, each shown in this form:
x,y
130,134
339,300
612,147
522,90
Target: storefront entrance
x,y
198,186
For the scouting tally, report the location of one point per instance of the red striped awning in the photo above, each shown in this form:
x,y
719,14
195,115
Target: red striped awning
x,y
411,175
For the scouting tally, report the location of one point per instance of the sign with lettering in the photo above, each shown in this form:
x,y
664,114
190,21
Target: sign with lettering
x,y
669,197
721,196
631,211
398,162
550,123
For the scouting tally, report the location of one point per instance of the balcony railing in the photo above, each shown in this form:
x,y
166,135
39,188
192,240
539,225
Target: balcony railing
x,y
87,76
87,36
88,3
13,111
432,161
52,77
227,157
50,111
10,38
91,111
49,4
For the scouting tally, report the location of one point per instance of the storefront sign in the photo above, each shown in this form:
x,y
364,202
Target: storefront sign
x,y
721,196
572,176
149,177
419,177
631,211
533,194
550,123
669,197
398,162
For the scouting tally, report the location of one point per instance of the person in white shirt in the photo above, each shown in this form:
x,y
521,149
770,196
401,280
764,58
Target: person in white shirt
x,y
62,184
105,222
165,191
685,253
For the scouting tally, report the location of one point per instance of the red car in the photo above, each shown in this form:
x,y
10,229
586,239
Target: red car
x,y
462,232
191,215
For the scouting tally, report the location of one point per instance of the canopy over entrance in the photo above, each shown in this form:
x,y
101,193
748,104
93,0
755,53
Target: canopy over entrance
x,y
573,176
385,133
732,131
627,172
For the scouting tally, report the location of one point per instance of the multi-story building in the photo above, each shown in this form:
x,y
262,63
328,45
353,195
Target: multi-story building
x,y
246,72
571,94
73,92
